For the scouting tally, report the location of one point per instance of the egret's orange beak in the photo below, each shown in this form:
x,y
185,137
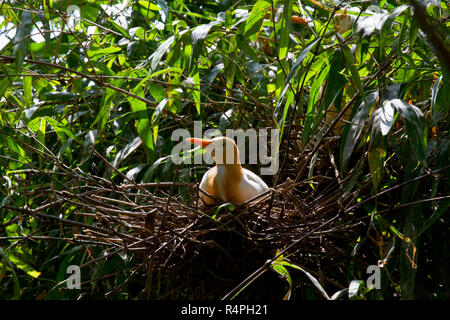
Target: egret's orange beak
x,y
201,142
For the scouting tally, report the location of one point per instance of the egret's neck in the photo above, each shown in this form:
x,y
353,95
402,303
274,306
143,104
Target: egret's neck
x,y
232,170
229,177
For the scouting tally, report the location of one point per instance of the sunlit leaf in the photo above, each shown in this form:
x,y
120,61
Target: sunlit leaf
x,y
386,114
313,279
148,5
103,52
280,269
156,56
354,288
23,266
228,206
142,119
255,19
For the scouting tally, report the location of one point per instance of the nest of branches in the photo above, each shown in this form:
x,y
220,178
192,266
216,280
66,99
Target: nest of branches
x,y
186,251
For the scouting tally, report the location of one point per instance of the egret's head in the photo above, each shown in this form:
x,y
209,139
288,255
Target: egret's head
x,y
222,149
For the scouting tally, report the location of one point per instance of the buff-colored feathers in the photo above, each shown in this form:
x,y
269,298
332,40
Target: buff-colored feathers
x,y
227,181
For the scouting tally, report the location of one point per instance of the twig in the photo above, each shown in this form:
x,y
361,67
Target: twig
x,y
70,222
156,242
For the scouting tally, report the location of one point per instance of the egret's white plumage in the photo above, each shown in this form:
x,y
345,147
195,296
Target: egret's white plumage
x,y
227,181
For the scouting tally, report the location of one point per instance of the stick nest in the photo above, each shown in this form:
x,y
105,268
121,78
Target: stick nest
x,y
186,251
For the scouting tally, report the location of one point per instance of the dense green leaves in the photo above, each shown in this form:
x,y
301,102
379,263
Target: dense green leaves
x,y
109,90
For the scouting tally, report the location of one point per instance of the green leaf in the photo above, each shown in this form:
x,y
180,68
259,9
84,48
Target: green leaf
x,y
108,100
391,226
313,279
437,213
142,117
386,114
228,206
149,173
280,269
103,114
16,149
255,19
230,71
126,151
339,294
351,65
382,120
336,81
196,94
415,123
367,25
198,36
59,96
69,258
103,52
21,39
118,27
156,56
142,121
396,49
387,23
352,133
281,124
23,266
376,163
4,85
47,4
413,32
27,90
157,91
295,67
61,130
434,94
283,46
311,113
149,6
5,201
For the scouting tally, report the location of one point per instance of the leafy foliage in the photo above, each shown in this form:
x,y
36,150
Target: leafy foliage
x,y
117,77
